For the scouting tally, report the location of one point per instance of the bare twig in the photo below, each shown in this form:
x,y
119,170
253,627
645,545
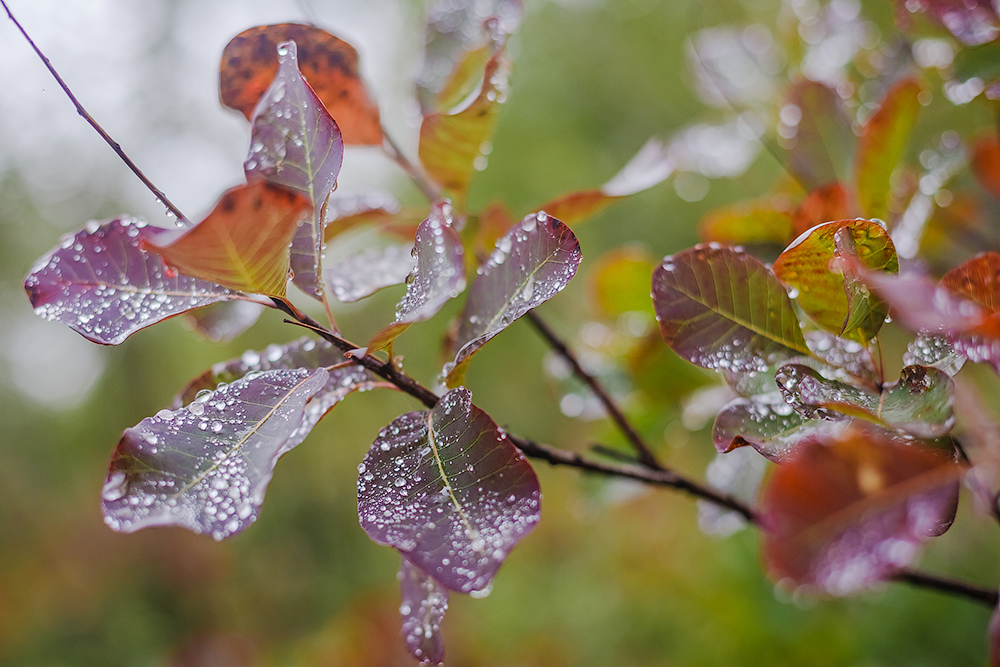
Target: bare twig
x,y
100,130
416,174
987,596
646,456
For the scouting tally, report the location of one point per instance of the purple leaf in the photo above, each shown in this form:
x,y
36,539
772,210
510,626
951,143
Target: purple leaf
x,y
424,603
720,308
530,264
438,276
448,490
972,21
993,637
766,423
206,466
820,142
222,322
103,285
296,143
368,271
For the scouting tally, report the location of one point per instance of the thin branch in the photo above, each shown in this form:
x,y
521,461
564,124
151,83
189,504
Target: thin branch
x,y
416,174
100,130
643,450
987,596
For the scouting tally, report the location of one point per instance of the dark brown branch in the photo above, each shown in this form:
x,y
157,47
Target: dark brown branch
x,y
646,456
94,124
987,596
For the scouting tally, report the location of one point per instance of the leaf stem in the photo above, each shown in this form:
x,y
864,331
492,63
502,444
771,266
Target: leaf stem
x,y
100,130
416,174
646,456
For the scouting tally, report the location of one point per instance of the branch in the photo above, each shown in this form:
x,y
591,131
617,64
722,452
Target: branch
x,y
416,174
987,596
646,455
162,198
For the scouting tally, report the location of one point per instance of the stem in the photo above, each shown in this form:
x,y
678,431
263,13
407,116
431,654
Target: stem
x,y
986,596
100,130
643,450
416,174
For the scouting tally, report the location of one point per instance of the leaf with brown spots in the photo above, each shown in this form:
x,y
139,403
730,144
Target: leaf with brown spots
x,y
243,243
330,65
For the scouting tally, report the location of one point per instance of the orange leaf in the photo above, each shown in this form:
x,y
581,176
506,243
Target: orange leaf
x,y
330,65
824,204
761,221
986,163
243,243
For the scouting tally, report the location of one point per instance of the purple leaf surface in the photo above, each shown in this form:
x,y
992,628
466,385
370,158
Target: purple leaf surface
x,y
368,271
103,285
448,490
206,466
765,423
721,308
438,276
424,603
530,264
222,322
296,143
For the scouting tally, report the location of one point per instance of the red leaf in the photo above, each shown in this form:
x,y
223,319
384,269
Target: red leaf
x,y
986,163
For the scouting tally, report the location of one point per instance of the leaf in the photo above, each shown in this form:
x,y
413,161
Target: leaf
x,y
760,221
530,264
830,298
850,511
985,163
881,144
936,352
243,243
919,404
737,474
330,65
448,490
766,423
206,467
821,142
451,142
103,285
373,208
720,308
222,322
424,603
993,638
823,204
368,271
438,277
619,283
296,143
971,21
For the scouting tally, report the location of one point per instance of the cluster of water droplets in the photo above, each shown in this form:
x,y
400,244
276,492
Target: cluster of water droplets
x,y
368,271
206,466
423,607
104,285
935,351
439,274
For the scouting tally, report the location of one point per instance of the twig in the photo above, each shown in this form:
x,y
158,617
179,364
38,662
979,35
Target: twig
x,y
416,174
645,454
100,130
987,596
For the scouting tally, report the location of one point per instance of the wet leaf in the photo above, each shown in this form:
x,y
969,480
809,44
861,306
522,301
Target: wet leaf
x,y
848,512
845,358
936,352
881,144
823,204
452,141
103,285
222,322
530,264
760,221
821,142
720,308
765,423
424,603
438,277
206,466
296,143
838,303
368,271
243,243
330,65
986,163
448,490
374,208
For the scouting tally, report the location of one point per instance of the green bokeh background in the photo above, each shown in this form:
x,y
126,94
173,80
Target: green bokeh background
x,y
615,574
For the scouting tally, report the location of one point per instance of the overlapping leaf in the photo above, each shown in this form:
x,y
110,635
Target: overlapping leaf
x,y
374,208
296,143
243,243
330,65
103,285
424,603
822,140
452,141
850,511
368,271
881,144
448,490
720,308
530,264
767,423
837,302
222,322
438,276
823,204
206,466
